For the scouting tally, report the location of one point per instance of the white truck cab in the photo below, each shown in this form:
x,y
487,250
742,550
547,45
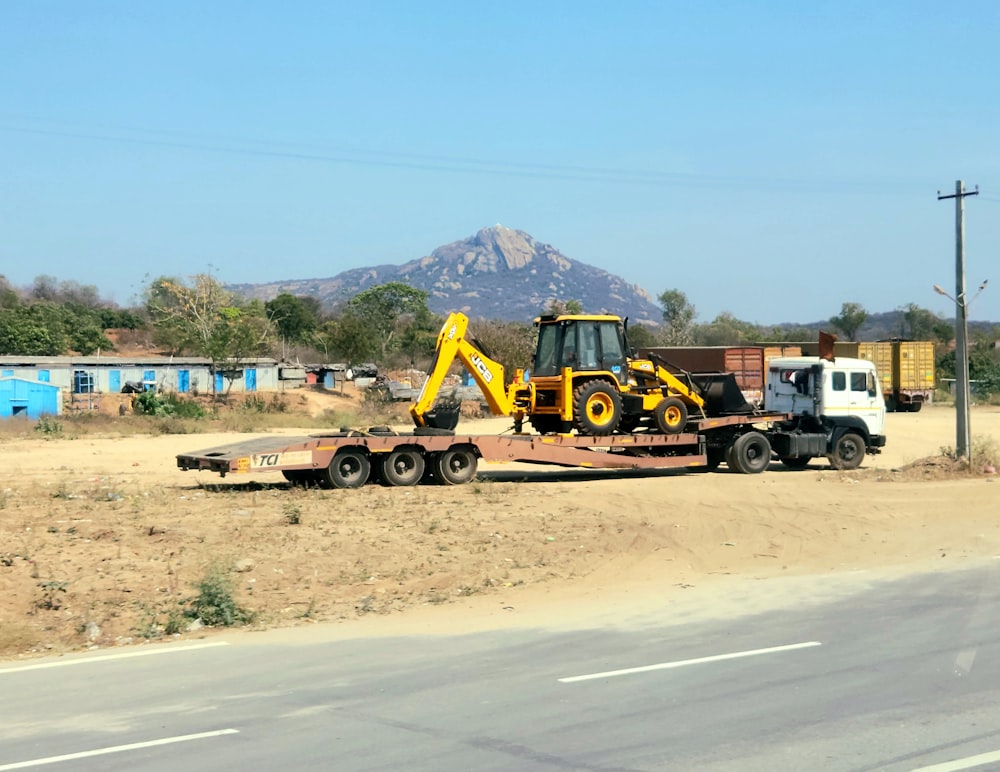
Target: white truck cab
x,y
839,398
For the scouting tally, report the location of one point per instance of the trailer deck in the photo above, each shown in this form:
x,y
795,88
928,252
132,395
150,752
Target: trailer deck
x,y
301,457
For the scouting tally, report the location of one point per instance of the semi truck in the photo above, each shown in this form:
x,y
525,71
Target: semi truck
x,y
590,404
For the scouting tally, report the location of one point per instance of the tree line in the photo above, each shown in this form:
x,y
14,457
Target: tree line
x,y
392,326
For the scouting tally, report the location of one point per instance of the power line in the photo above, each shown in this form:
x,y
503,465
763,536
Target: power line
x,y
436,163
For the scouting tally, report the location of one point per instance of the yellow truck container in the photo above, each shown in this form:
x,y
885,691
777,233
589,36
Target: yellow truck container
x,y
905,369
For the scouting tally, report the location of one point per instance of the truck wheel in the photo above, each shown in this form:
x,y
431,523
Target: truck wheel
x,y
914,406
456,466
848,451
350,468
597,408
796,462
404,466
671,416
750,453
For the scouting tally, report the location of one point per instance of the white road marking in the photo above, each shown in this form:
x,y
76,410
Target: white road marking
x,y
686,662
967,763
116,749
105,658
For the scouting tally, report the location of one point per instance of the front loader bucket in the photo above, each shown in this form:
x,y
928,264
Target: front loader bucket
x,y
721,393
443,416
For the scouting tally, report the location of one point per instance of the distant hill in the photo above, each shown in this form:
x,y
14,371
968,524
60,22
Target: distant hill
x,y
499,273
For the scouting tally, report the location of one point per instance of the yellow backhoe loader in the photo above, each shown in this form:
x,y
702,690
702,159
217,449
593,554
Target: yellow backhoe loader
x,y
582,378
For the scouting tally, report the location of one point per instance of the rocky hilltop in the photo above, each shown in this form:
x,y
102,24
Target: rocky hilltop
x,y
499,273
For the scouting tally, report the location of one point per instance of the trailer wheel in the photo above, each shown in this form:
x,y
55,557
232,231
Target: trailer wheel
x,y
597,408
848,451
350,468
750,453
456,466
671,416
300,477
796,462
404,466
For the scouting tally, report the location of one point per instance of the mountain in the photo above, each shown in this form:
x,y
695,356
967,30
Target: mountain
x,y
499,273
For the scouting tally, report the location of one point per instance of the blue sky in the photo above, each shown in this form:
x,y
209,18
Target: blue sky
x,y
772,160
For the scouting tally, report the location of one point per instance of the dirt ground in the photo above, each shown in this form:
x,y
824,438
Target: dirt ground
x,y
103,541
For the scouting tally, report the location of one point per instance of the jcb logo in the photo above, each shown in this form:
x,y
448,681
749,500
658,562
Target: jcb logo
x,y
482,368
452,331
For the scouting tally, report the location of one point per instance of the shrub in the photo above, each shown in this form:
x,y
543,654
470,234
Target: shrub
x,y
48,426
215,605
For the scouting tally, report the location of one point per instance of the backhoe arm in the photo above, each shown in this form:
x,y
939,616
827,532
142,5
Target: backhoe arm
x,y
488,374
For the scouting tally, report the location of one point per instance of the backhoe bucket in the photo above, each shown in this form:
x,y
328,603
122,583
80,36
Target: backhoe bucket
x,y
443,416
721,393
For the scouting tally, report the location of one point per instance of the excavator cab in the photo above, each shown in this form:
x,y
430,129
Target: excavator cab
x,y
581,343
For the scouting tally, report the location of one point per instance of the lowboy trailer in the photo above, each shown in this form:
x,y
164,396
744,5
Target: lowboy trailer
x,y
350,458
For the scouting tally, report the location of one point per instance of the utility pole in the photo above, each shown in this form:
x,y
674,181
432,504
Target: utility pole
x,y
962,392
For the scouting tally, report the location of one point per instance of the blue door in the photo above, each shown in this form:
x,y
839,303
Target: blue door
x,y
250,379
148,379
218,382
183,381
114,381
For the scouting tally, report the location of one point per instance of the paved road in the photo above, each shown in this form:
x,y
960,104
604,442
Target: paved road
x,y
899,675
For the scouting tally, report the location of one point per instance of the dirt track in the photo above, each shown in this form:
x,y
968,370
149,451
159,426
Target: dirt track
x,y
103,540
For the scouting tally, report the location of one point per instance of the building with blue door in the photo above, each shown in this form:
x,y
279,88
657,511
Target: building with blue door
x,y
20,397
110,374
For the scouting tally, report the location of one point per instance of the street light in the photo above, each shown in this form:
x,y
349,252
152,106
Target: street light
x,y
962,392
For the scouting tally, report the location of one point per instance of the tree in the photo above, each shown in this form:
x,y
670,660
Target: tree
x,y
560,307
726,330
921,324
642,336
350,338
418,335
852,316
296,317
512,344
207,320
380,308
33,330
678,316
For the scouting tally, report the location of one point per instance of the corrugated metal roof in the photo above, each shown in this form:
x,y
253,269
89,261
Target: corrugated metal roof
x,y
115,361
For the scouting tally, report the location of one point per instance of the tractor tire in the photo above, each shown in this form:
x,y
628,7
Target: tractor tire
x,y
456,466
597,408
350,468
671,416
750,453
848,452
402,467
